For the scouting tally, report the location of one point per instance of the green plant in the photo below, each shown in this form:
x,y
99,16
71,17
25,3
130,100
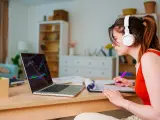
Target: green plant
x,y
109,46
15,61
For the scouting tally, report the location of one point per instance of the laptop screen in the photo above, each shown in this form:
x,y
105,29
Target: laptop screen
x,y
37,71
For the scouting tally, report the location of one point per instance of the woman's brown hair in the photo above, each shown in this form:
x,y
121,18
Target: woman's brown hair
x,y
143,29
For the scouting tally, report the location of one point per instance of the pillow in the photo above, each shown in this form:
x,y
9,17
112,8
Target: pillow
x,y
4,70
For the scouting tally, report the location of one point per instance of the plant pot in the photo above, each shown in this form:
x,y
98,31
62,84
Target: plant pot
x,y
150,6
129,11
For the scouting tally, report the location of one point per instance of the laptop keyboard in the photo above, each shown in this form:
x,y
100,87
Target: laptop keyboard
x,y
55,88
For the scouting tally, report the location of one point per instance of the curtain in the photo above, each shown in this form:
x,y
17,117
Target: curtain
x,y
3,30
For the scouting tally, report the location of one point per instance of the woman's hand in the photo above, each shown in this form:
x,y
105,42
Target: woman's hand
x,y
114,96
122,82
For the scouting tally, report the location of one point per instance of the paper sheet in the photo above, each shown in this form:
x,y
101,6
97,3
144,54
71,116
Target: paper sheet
x,y
69,80
118,88
104,82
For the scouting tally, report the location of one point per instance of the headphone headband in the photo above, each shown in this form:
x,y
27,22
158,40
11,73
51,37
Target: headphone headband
x,y
126,21
126,24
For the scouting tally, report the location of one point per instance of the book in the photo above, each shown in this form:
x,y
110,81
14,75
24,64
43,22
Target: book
x,y
15,81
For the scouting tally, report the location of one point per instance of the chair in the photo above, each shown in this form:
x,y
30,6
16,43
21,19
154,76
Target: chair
x,y
11,70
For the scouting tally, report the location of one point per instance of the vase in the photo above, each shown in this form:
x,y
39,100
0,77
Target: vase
x,y
71,51
109,52
150,6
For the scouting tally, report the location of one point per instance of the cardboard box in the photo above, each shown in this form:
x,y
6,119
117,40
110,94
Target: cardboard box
x,y
4,87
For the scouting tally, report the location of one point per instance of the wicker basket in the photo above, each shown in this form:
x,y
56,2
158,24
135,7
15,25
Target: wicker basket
x,y
129,11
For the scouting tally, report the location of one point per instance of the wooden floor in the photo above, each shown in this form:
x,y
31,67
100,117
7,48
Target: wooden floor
x,y
116,113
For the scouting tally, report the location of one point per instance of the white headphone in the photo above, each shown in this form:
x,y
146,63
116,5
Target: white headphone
x,y
127,39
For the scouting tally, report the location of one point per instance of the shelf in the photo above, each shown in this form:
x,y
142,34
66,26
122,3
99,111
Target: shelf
x,y
49,51
51,41
126,64
53,71
52,60
48,31
141,14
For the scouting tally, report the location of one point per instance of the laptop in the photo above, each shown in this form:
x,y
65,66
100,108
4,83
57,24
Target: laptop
x,y
40,81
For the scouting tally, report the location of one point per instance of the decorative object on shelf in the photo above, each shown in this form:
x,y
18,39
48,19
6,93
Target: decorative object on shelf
x,y
43,47
71,51
72,45
103,51
55,68
150,6
60,15
44,18
50,18
129,11
110,48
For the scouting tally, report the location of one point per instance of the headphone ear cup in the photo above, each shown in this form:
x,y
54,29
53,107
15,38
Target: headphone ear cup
x,y
128,40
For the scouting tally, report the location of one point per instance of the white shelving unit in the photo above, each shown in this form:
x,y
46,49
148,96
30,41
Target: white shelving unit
x,y
53,42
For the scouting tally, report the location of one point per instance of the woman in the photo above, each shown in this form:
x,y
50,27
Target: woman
x,y
137,38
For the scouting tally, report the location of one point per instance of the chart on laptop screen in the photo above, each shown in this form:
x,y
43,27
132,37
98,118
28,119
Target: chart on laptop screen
x,y
36,70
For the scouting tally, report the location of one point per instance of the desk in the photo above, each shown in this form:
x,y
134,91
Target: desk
x,y
23,105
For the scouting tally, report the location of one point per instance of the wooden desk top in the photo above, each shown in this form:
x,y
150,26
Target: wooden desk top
x,y
21,97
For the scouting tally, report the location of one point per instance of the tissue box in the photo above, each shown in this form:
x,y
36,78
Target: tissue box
x,y
4,87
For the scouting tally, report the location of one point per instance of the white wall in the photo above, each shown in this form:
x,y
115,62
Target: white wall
x,y
89,21
18,27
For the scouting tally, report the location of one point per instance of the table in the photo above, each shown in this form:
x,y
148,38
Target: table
x,y
22,104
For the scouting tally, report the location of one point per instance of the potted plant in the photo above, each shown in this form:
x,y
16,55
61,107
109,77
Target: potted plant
x,y
4,87
109,47
149,6
15,61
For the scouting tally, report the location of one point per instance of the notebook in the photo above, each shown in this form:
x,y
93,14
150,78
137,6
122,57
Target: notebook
x,y
100,85
40,81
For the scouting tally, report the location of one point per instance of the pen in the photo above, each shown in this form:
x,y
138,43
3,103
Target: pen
x,y
122,75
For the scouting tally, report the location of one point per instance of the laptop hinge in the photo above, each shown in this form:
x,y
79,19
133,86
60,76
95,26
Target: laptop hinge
x,y
44,88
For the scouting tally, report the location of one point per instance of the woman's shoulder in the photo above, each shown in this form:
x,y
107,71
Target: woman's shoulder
x,y
150,56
